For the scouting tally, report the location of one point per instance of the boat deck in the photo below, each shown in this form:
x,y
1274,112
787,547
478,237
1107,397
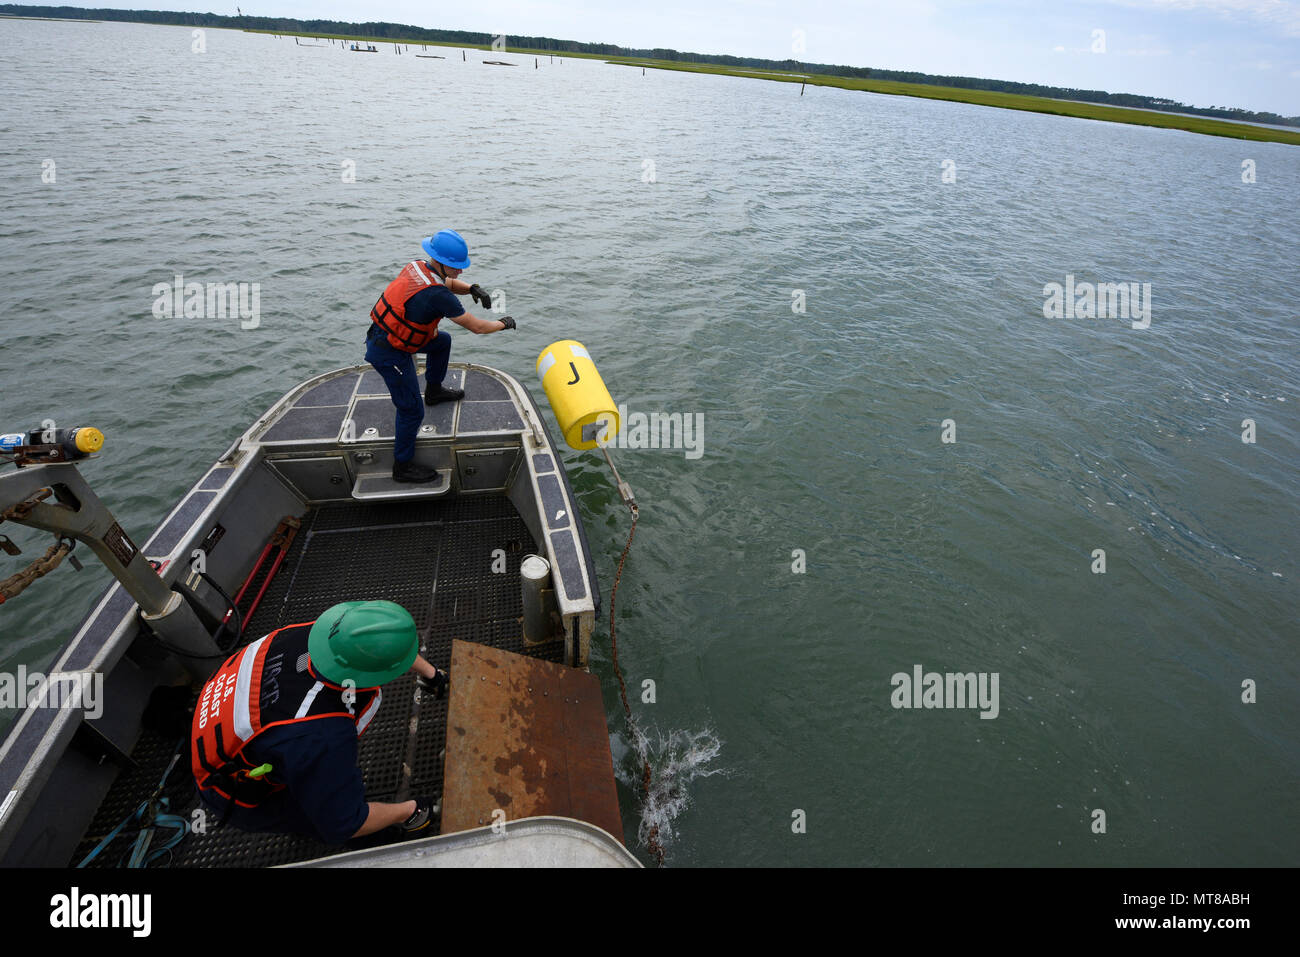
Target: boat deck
x,y
347,552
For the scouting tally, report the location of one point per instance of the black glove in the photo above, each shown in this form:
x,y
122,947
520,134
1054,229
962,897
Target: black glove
x,y
421,819
437,685
479,296
509,323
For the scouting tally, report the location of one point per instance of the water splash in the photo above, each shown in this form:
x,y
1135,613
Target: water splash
x,y
676,759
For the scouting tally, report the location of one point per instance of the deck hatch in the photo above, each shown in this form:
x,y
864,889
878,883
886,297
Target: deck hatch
x,y
336,391
306,425
488,417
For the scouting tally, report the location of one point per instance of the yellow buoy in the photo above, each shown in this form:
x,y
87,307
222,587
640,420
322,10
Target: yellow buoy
x,y
582,405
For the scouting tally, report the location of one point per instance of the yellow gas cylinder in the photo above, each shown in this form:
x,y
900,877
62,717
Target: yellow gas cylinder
x,y
582,405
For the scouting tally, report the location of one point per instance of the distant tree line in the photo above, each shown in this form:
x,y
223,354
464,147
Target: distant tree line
x,y
401,31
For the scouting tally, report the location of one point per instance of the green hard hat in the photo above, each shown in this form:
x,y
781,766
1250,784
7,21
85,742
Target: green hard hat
x,y
368,642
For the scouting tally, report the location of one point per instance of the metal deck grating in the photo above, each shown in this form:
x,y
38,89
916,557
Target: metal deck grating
x,y
433,557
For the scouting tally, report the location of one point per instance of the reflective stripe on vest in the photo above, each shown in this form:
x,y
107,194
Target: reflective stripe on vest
x,y
389,312
267,684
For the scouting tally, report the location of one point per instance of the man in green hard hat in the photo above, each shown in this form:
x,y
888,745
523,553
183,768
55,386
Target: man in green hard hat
x,y
274,740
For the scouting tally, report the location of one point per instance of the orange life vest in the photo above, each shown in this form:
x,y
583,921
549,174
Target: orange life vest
x,y
389,312
267,684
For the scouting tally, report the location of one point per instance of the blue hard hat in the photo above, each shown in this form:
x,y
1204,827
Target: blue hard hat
x,y
447,248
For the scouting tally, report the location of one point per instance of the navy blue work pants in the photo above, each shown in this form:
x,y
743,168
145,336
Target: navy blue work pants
x,y
398,369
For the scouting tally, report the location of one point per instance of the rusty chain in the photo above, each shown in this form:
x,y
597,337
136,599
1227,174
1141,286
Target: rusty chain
x,y
54,555
652,840
21,510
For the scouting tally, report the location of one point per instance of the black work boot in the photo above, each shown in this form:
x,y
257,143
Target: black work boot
x,y
435,394
410,472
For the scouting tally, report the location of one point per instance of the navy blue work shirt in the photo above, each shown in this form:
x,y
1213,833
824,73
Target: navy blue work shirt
x,y
324,795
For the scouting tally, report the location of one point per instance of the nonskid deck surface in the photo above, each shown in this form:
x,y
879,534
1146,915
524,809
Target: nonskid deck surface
x,y
434,558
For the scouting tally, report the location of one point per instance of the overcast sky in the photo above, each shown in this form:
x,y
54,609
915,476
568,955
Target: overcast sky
x,y
1204,52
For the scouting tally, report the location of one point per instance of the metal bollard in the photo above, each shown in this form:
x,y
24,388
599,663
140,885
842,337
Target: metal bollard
x,y
535,577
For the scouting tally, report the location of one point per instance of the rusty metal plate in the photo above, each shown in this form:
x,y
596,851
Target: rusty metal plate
x,y
527,737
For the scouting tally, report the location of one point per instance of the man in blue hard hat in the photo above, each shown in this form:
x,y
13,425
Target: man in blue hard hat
x,y
405,321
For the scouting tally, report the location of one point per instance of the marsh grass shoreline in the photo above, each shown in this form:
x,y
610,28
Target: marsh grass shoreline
x,y
1007,101
1207,126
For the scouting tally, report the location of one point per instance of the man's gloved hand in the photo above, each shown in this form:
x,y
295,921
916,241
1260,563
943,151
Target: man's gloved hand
x,y
509,323
479,296
421,819
437,685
